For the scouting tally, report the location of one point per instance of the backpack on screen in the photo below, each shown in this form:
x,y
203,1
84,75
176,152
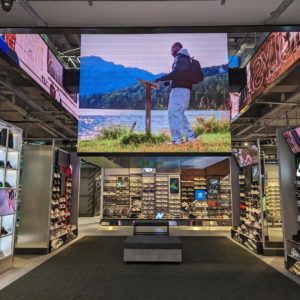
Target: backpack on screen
x,y
196,74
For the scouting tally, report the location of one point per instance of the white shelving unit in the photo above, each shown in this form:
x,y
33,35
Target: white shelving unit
x,y
10,150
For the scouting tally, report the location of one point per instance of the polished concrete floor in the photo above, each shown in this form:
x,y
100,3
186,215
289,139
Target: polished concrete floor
x,y
90,227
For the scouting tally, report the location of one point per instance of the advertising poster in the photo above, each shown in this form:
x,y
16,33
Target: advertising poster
x,y
185,116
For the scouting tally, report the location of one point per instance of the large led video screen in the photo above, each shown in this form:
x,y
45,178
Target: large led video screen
x,y
32,55
186,77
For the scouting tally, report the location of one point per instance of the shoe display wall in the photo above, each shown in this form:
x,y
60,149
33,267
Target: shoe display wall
x,y
217,204
148,195
61,228
116,196
10,148
162,195
273,202
136,193
249,231
293,258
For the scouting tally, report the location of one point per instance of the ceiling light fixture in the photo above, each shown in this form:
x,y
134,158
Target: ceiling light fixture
x,y
7,5
223,2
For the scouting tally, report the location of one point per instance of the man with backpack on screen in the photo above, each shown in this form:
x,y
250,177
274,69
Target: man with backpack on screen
x,y
186,71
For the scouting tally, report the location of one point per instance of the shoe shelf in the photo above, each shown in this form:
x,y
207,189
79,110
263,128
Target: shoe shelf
x,y
5,235
293,262
293,265
60,212
61,235
161,195
116,196
248,230
10,147
246,235
246,241
294,242
149,195
293,257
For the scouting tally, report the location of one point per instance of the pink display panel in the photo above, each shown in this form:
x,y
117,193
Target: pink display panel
x,y
31,53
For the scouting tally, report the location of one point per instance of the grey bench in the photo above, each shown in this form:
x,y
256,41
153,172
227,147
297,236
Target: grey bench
x,y
152,248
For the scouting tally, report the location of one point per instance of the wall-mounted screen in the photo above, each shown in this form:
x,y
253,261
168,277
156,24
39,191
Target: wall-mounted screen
x,y
213,186
246,156
31,53
200,195
174,185
189,100
292,137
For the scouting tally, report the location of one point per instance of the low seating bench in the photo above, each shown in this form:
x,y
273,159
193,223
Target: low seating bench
x,y
152,248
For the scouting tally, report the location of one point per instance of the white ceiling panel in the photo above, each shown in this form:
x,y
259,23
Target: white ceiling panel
x,y
291,15
16,17
150,13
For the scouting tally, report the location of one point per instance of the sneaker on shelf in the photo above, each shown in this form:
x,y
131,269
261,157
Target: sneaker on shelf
x,y
251,236
8,165
256,225
295,253
238,238
52,227
247,222
3,231
252,243
255,232
249,246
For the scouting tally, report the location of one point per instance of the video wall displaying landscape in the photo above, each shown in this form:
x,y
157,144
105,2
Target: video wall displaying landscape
x,y
112,100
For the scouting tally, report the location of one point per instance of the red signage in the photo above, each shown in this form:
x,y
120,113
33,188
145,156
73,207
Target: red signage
x,y
277,54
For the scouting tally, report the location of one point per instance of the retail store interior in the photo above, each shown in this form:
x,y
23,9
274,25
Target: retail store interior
x,y
150,152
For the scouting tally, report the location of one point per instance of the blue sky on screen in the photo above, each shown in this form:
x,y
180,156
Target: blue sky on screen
x,y
151,52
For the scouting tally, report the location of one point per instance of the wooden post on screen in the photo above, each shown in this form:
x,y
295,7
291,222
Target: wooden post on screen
x,y
148,86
